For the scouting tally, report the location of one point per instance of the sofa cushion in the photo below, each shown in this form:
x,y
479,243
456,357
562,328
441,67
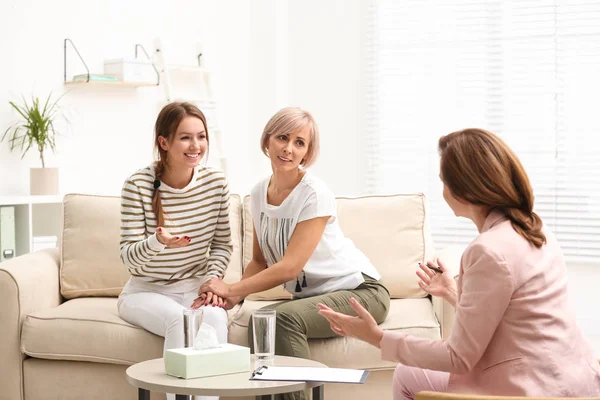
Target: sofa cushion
x,y
234,269
393,231
413,316
90,263
89,329
90,259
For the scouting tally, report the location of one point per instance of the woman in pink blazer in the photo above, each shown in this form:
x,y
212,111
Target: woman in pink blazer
x,y
514,332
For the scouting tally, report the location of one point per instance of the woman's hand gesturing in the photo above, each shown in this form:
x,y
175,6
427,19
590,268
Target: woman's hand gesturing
x,y
171,241
436,283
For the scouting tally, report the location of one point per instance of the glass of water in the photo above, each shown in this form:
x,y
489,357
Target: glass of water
x,y
263,325
192,319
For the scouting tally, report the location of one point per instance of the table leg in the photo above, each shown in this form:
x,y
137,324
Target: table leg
x,y
318,393
182,397
143,394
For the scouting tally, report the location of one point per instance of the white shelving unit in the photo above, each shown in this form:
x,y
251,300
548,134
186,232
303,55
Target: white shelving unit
x,y
35,216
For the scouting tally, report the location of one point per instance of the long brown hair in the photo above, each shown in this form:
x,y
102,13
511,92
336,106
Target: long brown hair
x,y
478,167
166,125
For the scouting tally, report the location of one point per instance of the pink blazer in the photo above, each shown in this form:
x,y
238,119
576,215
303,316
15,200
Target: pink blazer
x,y
514,333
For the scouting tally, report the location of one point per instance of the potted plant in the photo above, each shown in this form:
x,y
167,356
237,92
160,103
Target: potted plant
x,y
36,129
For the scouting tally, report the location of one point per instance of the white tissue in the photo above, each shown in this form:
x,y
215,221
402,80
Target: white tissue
x,y
206,338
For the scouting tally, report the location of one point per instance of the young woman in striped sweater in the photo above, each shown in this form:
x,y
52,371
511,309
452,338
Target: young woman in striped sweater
x,y
175,231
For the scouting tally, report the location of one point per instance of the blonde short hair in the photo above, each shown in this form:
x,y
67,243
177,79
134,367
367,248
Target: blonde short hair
x,y
289,120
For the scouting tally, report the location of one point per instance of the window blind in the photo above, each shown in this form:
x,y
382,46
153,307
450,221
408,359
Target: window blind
x,y
528,70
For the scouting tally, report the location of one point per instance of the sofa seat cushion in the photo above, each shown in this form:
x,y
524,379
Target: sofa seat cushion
x,y
89,329
413,316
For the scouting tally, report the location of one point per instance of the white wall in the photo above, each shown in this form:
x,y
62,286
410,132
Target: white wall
x,y
267,54
327,76
311,54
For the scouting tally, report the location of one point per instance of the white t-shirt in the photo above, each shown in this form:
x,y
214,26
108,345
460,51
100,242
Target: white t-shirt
x,y
336,263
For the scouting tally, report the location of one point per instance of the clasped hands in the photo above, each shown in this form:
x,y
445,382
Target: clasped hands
x,y
214,292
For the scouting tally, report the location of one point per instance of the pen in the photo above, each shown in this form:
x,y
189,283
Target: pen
x,y
259,370
431,267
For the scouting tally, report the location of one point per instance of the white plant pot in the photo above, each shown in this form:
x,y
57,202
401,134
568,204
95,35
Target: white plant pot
x,y
43,181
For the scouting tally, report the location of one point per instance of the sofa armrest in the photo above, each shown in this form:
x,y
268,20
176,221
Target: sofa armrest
x,y
27,283
444,312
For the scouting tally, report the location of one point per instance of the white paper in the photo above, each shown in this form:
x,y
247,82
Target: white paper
x,y
309,374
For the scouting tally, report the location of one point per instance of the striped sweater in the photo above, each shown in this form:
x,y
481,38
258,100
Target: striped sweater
x,y
200,211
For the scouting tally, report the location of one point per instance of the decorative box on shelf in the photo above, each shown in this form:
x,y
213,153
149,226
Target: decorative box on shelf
x,y
132,71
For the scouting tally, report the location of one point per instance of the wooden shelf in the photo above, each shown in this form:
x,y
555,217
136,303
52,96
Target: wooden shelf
x,y
117,84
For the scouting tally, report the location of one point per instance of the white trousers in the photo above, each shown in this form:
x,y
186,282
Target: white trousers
x,y
162,314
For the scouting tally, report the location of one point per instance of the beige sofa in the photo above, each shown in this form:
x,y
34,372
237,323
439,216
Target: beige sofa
x,y
62,338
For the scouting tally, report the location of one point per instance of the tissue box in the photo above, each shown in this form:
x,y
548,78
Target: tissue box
x,y
191,363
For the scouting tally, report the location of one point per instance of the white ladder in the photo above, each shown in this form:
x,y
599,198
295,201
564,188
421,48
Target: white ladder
x,y
192,83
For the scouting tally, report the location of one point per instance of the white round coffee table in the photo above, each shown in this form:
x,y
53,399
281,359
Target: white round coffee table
x,y
150,376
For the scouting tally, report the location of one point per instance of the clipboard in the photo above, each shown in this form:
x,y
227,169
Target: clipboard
x,y
309,374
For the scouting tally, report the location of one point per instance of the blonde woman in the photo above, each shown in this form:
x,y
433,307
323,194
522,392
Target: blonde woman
x,y
298,243
515,334
175,231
